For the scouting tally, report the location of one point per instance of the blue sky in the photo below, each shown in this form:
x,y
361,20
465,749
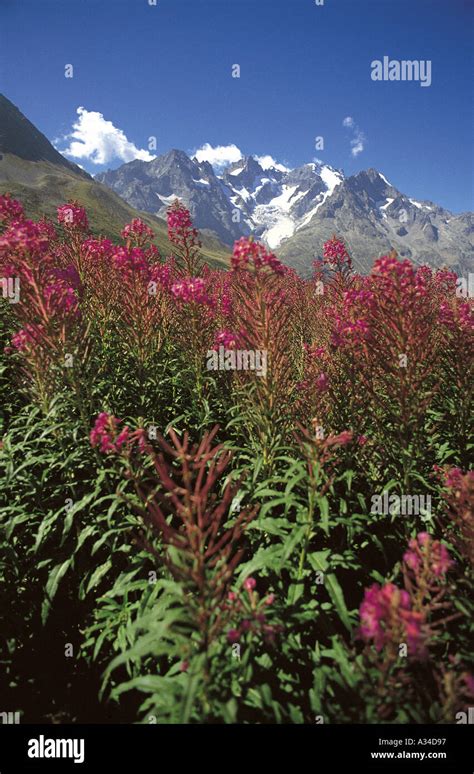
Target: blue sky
x,y
165,71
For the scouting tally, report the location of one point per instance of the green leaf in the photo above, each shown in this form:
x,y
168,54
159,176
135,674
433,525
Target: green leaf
x,y
54,579
97,575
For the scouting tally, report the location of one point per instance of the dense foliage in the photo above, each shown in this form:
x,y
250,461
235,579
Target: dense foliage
x,y
230,496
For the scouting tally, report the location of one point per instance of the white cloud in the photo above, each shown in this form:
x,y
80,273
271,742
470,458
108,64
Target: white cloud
x,y
358,136
357,144
219,156
98,141
266,162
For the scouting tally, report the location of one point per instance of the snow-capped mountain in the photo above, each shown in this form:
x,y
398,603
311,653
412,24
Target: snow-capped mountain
x,y
270,201
277,202
374,217
295,210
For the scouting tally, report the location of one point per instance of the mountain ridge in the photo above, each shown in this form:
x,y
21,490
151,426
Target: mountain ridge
x,y
296,210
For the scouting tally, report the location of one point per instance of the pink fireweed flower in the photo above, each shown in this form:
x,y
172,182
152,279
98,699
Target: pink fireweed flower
x,y
10,209
233,635
180,226
191,291
445,280
348,333
247,253
97,248
336,255
129,261
466,316
454,478
105,434
393,275
60,293
61,299
46,228
226,339
446,315
72,216
427,556
137,229
459,315
387,618
162,274
26,337
363,297
24,236
69,276
250,612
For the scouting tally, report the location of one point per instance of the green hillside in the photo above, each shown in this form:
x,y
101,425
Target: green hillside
x,y
41,186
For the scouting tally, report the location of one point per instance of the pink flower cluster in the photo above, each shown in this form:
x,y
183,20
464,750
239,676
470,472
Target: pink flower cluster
x,y
97,248
250,609
412,282
10,209
71,215
427,556
454,478
191,291
26,338
137,229
461,316
250,253
362,297
180,226
347,332
60,293
335,254
445,280
46,228
226,339
106,435
387,617
61,300
162,274
129,261
24,236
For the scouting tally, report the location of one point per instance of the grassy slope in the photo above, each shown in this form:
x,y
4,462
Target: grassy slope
x,y
42,186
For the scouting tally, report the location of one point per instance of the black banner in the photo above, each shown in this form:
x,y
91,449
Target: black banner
x,y
421,748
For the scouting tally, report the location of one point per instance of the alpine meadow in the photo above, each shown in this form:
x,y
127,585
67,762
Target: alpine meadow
x,y
236,430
